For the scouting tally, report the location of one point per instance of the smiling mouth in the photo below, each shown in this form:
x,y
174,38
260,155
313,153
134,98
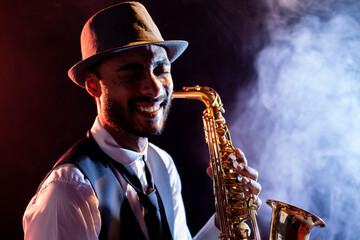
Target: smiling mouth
x,y
149,109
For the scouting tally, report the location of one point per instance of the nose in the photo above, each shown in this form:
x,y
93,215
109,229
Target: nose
x,y
152,86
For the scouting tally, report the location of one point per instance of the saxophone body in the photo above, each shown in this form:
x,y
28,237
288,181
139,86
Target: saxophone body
x,y
235,210
232,206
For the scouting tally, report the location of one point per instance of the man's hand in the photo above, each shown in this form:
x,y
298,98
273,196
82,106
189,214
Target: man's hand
x,y
247,181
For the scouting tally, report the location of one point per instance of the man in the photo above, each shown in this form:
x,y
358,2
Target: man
x,y
94,192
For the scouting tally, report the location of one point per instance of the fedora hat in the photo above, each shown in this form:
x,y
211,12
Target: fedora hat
x,y
117,28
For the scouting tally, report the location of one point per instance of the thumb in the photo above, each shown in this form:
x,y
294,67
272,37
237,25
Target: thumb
x,y
209,172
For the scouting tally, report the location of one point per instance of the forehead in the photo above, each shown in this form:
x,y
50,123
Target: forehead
x,y
143,54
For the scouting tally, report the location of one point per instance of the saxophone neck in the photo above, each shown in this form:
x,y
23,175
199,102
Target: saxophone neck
x,y
202,93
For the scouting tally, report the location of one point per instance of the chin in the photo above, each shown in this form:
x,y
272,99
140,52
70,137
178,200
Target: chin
x,y
154,130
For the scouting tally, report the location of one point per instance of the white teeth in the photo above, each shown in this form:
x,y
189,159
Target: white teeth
x,y
149,109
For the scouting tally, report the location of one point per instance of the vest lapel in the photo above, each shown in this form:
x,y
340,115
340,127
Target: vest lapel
x,y
117,218
162,183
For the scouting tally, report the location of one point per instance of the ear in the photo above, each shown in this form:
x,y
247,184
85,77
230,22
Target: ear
x,y
92,84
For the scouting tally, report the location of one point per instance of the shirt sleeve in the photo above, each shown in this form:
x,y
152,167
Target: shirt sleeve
x,y
65,199
209,231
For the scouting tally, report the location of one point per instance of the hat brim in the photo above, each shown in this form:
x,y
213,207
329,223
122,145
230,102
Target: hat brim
x,y
76,73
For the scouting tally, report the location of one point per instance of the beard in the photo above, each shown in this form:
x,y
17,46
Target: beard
x,y
123,120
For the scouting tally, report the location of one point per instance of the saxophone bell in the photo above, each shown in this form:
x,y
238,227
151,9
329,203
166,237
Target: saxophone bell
x,y
290,222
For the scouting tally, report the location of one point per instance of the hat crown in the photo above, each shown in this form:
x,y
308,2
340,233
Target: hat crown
x,y
121,25
118,28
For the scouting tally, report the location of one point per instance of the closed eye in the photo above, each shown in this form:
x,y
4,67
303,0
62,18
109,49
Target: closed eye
x,y
131,74
131,71
162,68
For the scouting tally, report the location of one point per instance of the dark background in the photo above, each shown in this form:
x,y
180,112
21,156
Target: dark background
x,y
43,113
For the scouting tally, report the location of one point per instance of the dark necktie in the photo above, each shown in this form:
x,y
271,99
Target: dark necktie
x,y
149,200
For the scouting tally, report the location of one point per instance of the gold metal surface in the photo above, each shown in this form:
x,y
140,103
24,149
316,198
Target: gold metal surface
x,y
290,222
233,208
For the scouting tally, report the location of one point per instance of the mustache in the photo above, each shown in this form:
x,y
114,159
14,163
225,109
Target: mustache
x,y
161,98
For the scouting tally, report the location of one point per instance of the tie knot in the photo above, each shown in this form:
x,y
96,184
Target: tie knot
x,y
149,201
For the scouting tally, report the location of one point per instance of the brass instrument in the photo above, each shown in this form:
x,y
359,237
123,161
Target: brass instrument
x,y
290,222
233,208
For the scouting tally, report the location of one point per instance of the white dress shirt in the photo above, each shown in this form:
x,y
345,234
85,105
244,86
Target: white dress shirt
x,y
66,207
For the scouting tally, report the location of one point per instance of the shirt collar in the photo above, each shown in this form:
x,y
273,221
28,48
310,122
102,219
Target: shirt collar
x,y
108,144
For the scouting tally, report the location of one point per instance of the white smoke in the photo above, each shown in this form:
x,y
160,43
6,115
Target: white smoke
x,y
302,125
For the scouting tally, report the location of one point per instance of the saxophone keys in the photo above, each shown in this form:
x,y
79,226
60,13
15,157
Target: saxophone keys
x,y
244,230
239,178
235,164
240,196
233,158
252,204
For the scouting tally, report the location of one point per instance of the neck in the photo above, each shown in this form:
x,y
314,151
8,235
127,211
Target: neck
x,y
129,141
126,139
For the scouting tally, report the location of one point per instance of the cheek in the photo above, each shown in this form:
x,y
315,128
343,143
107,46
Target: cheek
x,y
119,98
169,86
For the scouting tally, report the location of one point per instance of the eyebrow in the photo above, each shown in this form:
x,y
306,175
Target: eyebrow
x,y
134,66
163,62
131,66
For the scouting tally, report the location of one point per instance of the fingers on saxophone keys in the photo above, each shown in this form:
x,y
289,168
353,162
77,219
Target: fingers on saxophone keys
x,y
247,171
240,156
255,202
250,186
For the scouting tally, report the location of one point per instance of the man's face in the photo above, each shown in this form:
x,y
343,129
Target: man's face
x,y
136,88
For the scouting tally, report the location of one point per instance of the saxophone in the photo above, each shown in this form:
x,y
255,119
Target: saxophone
x,y
236,211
